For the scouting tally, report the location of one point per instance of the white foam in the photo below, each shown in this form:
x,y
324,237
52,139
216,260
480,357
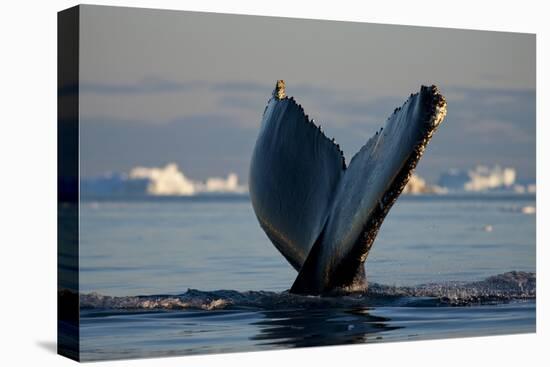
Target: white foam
x,y
496,289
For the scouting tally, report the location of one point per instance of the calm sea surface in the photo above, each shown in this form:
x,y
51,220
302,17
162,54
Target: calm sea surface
x,y
215,245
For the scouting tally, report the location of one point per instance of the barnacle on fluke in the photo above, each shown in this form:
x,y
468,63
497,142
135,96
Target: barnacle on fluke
x,y
322,215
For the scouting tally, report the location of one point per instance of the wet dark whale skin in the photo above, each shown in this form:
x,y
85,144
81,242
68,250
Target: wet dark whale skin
x,y
293,175
322,216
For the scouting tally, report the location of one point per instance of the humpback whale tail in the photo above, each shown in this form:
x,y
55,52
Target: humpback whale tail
x,y
322,215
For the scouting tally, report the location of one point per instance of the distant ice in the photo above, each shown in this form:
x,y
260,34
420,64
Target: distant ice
x,y
526,209
483,178
417,185
168,180
479,179
160,181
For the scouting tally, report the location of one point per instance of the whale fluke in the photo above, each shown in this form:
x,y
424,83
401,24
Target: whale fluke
x,y
322,216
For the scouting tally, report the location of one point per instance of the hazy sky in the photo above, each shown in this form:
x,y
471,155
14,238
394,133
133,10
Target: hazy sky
x,y
169,86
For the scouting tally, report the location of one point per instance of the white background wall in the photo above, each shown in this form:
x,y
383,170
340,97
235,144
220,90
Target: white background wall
x,y
28,181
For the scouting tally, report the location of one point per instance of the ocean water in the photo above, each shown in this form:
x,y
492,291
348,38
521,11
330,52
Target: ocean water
x,y
180,276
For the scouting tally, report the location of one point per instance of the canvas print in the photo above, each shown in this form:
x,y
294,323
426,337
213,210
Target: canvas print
x,y
239,183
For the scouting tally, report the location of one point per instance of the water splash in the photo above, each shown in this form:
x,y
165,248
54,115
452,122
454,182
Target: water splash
x,y
514,285
500,288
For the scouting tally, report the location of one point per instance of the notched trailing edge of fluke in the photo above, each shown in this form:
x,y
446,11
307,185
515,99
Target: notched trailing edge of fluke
x,y
347,273
279,92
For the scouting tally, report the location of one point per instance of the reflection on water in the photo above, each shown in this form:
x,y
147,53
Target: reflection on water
x,y
306,328
116,334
